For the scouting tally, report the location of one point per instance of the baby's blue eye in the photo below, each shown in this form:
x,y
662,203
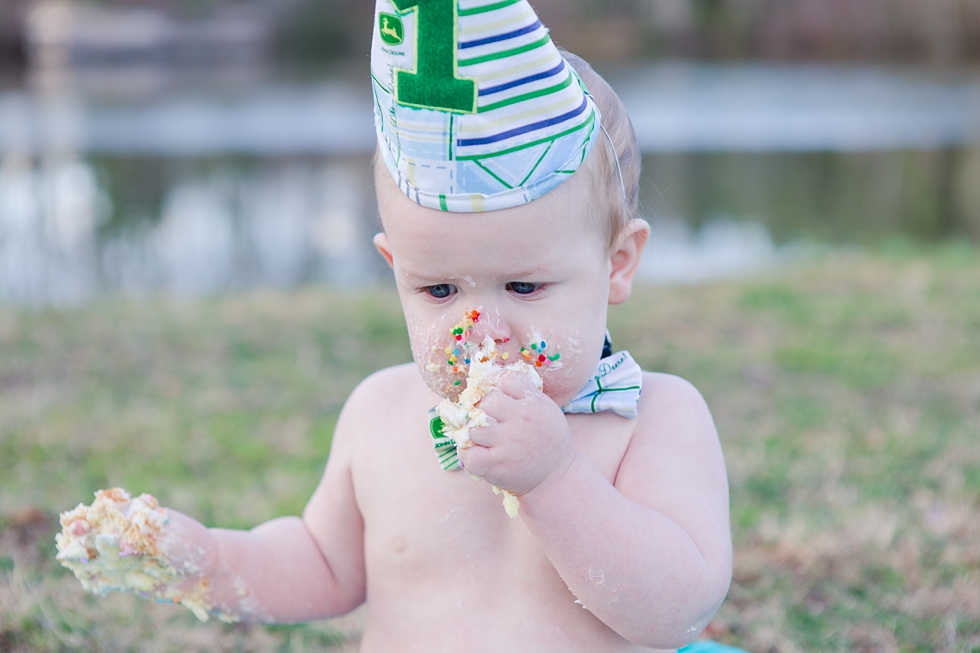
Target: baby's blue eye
x,y
440,291
522,287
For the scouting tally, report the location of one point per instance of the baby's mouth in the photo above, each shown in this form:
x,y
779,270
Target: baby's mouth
x,y
449,361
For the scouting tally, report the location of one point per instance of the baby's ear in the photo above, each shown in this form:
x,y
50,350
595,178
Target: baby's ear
x,y
384,248
624,260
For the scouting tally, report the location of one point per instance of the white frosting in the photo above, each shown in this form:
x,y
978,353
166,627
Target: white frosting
x,y
115,545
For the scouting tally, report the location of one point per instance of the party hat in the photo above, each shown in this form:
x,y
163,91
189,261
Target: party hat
x,y
475,108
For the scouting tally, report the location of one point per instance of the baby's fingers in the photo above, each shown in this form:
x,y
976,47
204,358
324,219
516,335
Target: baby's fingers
x,y
476,459
485,436
498,406
516,385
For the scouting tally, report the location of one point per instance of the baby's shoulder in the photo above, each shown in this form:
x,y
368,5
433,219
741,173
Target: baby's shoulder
x,y
660,388
674,461
384,403
389,387
384,395
671,405
396,376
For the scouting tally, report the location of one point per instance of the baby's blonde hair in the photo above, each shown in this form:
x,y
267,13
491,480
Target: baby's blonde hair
x,y
616,200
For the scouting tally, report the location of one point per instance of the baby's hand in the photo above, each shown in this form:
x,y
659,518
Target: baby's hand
x,y
133,545
527,442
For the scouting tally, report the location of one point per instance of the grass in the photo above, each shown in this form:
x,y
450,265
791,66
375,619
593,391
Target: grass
x,y
846,390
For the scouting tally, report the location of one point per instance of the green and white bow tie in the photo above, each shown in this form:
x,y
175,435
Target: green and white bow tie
x,y
616,386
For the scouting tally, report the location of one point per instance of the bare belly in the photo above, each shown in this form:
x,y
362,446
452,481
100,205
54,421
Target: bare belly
x,y
512,617
452,570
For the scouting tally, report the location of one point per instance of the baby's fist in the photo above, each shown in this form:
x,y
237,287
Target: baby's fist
x,y
527,440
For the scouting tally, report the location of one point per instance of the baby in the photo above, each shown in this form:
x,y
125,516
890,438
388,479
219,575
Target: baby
x,y
621,538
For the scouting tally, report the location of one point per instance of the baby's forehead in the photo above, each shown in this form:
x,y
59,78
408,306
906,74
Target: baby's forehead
x,y
487,256
566,210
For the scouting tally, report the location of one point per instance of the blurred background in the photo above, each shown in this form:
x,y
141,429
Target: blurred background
x,y
201,146
188,291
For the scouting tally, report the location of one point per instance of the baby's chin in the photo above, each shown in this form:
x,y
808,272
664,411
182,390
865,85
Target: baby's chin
x,y
562,388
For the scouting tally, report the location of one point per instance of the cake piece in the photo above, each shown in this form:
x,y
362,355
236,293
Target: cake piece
x,y
115,545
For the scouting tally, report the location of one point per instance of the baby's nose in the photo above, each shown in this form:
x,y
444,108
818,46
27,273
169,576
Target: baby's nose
x,y
489,324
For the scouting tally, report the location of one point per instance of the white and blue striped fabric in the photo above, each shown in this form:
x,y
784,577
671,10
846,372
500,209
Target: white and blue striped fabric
x,y
530,123
616,386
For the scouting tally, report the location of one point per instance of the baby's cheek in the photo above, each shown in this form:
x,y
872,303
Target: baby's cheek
x,y
429,344
573,367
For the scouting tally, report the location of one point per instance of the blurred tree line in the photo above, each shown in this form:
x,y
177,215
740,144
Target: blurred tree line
x,y
941,31
937,31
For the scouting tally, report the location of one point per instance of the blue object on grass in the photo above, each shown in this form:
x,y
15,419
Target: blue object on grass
x,y
707,646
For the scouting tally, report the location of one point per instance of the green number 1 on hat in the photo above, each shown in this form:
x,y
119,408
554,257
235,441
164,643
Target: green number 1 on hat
x,y
434,84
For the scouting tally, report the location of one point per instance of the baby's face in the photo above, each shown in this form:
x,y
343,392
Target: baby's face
x,y
534,273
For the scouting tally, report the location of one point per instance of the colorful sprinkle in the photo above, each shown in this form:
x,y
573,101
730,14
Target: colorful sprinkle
x,y
462,331
534,354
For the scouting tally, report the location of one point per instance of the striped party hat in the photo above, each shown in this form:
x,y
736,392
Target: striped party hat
x,y
475,108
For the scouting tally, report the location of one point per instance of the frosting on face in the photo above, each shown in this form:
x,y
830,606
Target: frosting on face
x,y
444,355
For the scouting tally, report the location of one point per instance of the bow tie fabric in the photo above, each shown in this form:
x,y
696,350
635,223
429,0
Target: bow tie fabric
x,y
616,386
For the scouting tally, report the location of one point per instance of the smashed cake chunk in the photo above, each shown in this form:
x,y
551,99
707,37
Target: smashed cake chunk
x,y
115,545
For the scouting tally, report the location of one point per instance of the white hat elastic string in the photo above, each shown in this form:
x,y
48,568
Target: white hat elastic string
x,y
616,158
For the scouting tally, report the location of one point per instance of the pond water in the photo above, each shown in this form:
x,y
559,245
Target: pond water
x,y
143,180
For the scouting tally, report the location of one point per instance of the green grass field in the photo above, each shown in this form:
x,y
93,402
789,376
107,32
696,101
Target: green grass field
x,y
846,390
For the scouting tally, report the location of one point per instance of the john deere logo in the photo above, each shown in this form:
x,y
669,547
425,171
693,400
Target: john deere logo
x,y
392,31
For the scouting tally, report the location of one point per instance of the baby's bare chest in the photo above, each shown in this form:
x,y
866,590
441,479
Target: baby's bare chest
x,y
422,523
439,548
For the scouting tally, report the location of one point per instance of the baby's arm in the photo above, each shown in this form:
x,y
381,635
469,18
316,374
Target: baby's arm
x,y
285,570
289,569
650,555
272,573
